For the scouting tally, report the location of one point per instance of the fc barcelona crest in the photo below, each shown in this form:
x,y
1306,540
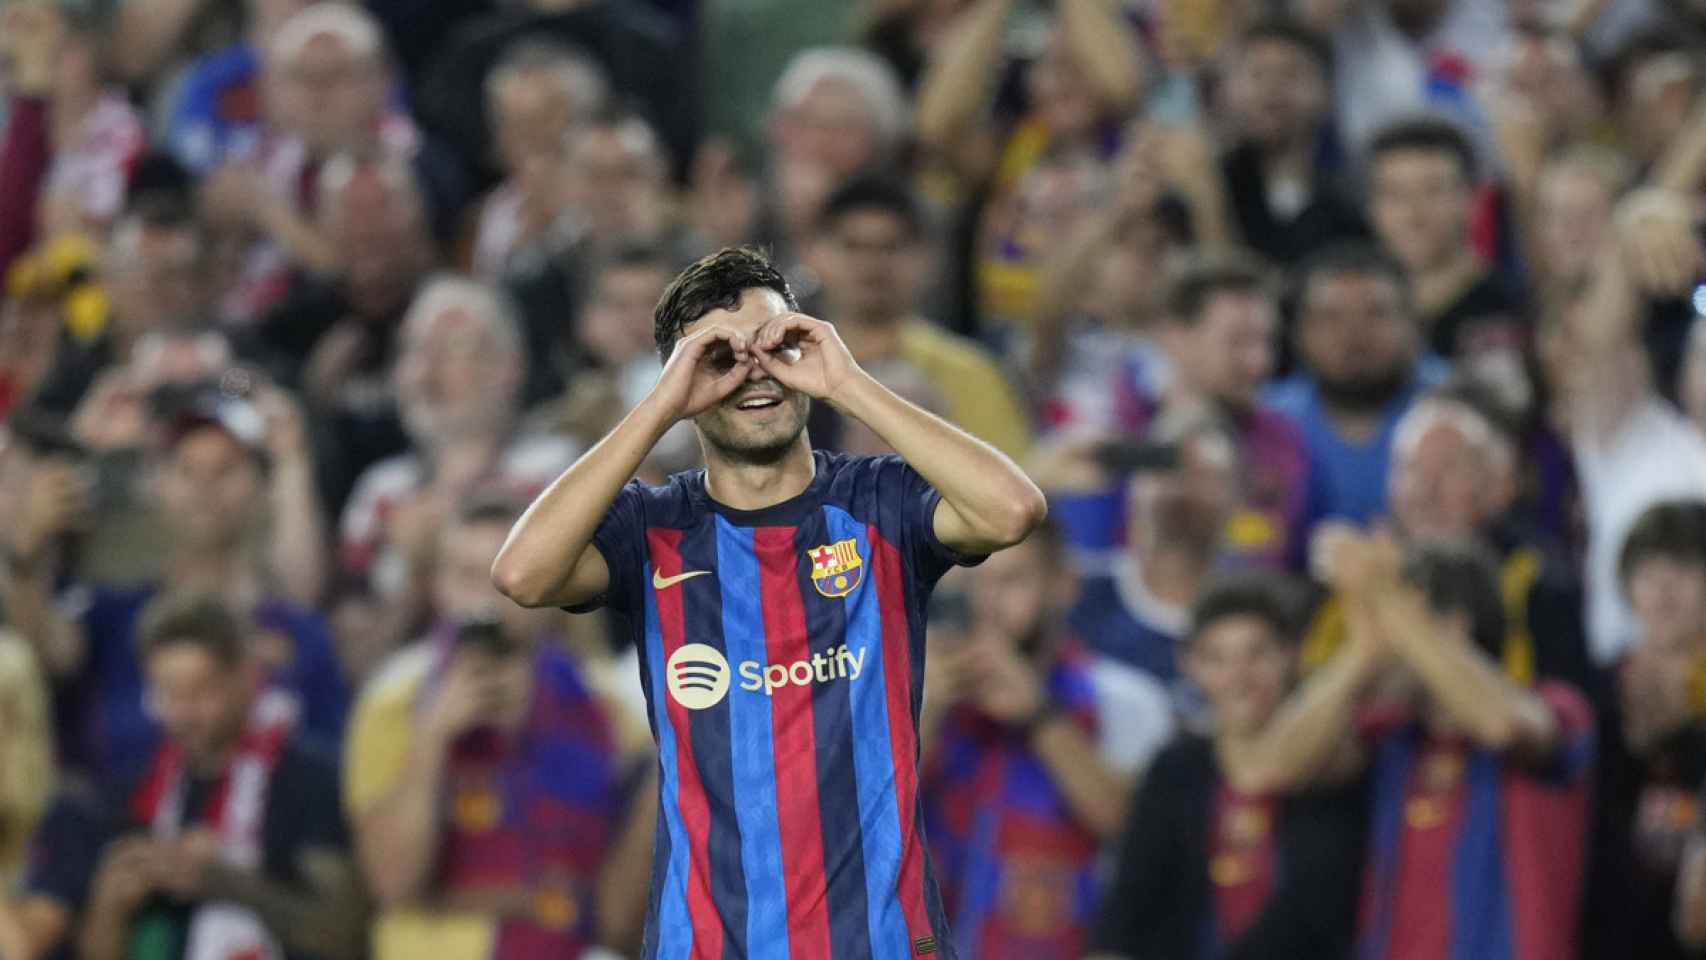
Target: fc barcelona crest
x,y
837,568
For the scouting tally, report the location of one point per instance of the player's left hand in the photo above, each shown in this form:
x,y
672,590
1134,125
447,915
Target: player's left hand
x,y
804,354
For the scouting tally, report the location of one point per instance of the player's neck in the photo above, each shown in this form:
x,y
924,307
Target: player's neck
x,y
754,486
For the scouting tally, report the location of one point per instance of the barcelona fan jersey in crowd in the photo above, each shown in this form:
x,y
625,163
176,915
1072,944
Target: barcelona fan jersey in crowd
x,y
782,656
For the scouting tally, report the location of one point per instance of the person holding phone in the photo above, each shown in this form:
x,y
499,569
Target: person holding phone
x,y
501,807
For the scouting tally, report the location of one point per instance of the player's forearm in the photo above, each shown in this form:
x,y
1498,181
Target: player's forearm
x,y
545,562
1299,744
1105,49
1468,686
1096,795
994,504
961,77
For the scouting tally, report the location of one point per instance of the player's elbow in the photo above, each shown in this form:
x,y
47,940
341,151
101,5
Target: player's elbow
x,y
1026,509
519,580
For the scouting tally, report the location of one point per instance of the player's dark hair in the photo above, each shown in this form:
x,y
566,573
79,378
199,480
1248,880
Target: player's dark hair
x,y
1264,596
1355,258
714,282
199,620
1431,134
1672,529
1197,278
873,193
1292,33
1458,577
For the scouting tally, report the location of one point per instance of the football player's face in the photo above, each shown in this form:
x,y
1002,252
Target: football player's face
x,y
762,419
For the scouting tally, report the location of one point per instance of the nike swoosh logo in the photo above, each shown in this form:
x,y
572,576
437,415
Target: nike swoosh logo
x,y
659,581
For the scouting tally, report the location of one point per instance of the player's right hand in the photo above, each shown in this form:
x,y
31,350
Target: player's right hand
x,y
704,369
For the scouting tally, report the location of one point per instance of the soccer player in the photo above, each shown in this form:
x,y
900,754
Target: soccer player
x,y
777,600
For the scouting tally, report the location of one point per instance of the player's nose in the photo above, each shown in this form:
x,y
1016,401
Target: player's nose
x,y
757,374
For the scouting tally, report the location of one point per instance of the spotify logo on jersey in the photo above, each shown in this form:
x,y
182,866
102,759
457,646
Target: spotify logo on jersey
x,y
698,676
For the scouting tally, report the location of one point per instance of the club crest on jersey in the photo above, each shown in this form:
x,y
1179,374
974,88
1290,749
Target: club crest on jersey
x,y
837,568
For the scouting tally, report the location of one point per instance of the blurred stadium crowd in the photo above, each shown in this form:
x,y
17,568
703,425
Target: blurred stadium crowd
x,y
1357,343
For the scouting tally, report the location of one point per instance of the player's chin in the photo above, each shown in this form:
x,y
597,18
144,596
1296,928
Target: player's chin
x,y
758,442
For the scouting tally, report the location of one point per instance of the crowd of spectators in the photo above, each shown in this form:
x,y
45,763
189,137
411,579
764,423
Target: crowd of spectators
x,y
1359,345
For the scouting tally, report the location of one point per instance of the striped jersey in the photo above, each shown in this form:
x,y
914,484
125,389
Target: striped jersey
x,y
1473,856
782,657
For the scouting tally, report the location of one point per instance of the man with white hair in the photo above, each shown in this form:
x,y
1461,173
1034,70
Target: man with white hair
x,y
458,378
837,111
329,82
535,97
645,54
1453,478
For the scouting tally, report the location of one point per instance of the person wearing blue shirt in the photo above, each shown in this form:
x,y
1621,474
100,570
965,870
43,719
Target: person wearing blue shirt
x,y
1135,612
1363,365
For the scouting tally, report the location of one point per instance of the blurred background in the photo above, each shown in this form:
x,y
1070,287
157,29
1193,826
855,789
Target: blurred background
x,y
1357,343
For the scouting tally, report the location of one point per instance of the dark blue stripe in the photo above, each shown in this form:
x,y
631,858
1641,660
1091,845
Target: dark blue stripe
x,y
669,887
753,747
702,616
933,897
660,869
873,751
832,726
1481,920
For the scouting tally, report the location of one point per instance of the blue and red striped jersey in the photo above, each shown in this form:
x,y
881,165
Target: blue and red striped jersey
x,y
1472,855
782,656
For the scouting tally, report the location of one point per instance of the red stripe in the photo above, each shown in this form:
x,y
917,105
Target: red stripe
x,y
690,793
792,732
903,729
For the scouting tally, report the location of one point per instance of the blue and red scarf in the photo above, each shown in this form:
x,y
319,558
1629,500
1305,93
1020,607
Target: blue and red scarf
x,y
531,815
1015,866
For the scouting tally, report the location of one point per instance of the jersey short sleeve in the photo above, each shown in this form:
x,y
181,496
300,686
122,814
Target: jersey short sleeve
x,y
620,540
930,557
